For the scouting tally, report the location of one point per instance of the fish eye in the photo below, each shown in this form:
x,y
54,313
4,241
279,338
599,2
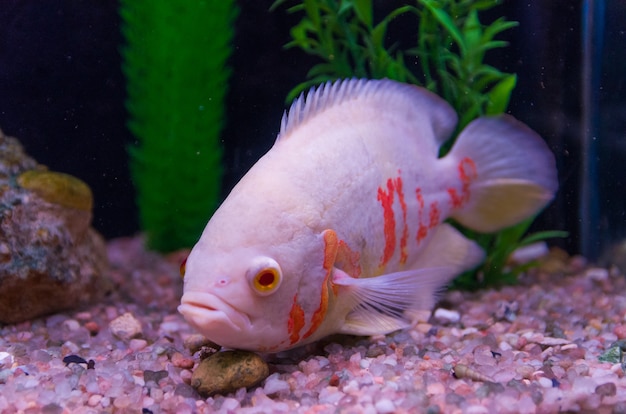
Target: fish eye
x,y
265,276
183,267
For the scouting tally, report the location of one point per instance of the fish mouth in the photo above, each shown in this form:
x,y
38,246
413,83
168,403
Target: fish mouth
x,y
211,315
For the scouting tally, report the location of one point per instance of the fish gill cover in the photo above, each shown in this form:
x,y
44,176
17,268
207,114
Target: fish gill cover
x,y
175,65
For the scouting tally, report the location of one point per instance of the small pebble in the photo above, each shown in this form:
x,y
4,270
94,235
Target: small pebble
x,y
180,361
92,327
476,409
105,402
545,382
620,331
155,376
94,400
385,406
185,391
597,273
227,371
608,389
547,341
435,388
195,342
122,402
274,385
6,359
71,324
186,375
446,315
24,336
230,404
137,344
83,316
126,327
69,347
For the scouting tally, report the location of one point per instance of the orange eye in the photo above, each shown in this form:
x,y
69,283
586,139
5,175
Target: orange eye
x,y
264,275
183,266
266,280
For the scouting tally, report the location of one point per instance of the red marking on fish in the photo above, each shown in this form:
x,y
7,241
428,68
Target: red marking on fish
x,y
467,170
420,199
455,199
386,200
405,227
422,230
295,323
434,215
467,174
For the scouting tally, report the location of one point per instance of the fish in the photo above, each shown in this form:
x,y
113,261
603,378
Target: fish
x,y
343,226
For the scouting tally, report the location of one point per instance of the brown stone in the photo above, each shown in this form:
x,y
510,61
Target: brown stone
x,y
225,372
50,257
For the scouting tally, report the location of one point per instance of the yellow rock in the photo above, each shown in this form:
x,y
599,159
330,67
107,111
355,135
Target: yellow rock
x,y
225,372
58,188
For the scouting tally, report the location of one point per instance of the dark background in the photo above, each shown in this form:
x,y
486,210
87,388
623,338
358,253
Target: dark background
x,y
62,92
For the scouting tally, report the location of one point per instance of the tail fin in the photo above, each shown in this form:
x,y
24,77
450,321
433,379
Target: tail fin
x,y
515,173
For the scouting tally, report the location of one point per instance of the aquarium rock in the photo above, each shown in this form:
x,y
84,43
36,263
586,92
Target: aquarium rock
x,y
227,371
50,257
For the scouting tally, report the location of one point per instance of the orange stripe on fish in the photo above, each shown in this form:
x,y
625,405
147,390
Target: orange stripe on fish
x,y
405,227
455,199
386,200
434,215
348,260
422,230
467,174
331,247
296,321
467,170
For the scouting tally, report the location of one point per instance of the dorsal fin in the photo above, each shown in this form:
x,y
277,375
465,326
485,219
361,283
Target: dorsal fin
x,y
390,95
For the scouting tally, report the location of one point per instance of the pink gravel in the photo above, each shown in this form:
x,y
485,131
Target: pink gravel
x,y
523,349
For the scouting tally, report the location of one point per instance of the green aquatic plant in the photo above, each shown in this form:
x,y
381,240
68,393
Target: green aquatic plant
x,y
450,50
175,65
448,59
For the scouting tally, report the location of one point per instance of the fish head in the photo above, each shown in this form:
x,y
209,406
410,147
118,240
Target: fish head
x,y
253,299
228,297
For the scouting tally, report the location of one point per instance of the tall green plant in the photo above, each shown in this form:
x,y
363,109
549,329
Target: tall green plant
x,y
450,52
175,65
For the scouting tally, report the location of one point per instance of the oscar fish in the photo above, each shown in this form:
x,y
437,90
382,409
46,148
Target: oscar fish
x,y
339,227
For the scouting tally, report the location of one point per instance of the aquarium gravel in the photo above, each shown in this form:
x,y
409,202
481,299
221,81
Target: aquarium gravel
x,y
551,344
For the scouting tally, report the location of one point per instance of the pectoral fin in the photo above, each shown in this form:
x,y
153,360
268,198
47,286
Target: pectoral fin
x,y
383,304
379,304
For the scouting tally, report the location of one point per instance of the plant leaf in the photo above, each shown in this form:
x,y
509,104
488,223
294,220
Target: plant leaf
x,y
500,95
446,21
313,12
543,235
363,9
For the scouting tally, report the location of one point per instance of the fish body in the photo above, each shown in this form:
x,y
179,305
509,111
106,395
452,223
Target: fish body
x,y
339,227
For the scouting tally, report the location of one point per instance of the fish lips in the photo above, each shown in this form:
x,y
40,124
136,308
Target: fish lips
x,y
212,316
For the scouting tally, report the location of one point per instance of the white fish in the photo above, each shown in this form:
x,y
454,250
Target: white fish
x,y
338,228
